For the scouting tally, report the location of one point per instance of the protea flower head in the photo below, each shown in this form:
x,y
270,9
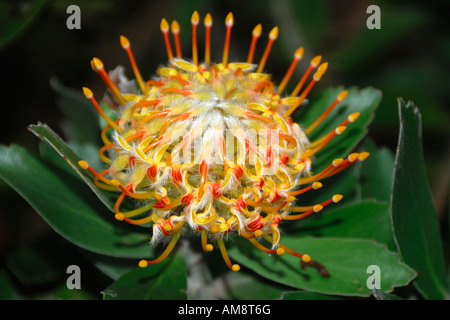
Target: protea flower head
x,y
210,148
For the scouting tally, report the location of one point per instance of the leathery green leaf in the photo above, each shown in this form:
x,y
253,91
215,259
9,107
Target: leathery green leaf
x,y
47,135
346,260
368,219
364,101
163,281
414,216
375,173
69,207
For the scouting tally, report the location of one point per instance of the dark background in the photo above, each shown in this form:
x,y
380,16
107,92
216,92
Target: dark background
x,y
408,57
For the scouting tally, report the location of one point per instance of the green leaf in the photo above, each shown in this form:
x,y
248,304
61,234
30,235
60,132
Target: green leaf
x,y
365,47
81,123
16,17
80,117
69,207
112,267
312,22
346,260
343,183
9,290
50,156
62,292
375,173
47,135
35,264
163,281
380,295
243,285
368,219
414,216
364,101
306,295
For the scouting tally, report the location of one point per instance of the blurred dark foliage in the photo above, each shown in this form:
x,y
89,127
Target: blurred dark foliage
x,y
408,57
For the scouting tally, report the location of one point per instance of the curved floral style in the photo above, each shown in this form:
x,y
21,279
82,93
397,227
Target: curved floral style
x,y
211,148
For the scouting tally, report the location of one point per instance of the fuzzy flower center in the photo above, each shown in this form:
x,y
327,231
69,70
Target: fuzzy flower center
x,y
213,140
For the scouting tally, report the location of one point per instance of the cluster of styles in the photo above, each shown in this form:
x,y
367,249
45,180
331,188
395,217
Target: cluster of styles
x,y
211,148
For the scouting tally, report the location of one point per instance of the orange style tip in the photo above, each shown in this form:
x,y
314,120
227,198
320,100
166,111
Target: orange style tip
x,y
143,263
214,229
164,25
258,233
306,258
337,162
273,34
337,197
208,20
195,18
209,247
158,197
323,67
300,166
307,161
353,116
265,194
124,42
87,93
317,185
353,157
229,20
318,75
340,129
290,199
341,96
83,164
257,31
174,26
299,53
316,61
280,251
167,228
96,64
119,216
115,183
317,208
235,267
363,156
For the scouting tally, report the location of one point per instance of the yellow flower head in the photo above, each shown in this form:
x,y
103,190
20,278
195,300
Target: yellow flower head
x,y
210,147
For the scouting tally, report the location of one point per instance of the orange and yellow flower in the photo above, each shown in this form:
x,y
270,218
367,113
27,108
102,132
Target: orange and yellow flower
x,y
210,147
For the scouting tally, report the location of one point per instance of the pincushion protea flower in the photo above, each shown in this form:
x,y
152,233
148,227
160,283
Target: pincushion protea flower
x,y
211,148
